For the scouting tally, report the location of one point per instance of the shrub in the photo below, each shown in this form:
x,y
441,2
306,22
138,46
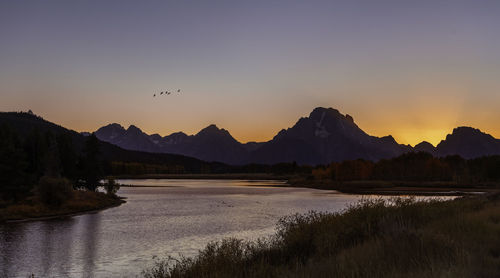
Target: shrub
x,y
54,191
374,238
111,187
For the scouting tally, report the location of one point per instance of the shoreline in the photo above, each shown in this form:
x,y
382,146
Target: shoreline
x,y
388,188
367,188
397,188
64,215
231,176
82,203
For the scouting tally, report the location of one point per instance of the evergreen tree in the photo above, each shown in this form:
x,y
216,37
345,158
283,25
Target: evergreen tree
x,y
67,156
90,165
13,178
36,148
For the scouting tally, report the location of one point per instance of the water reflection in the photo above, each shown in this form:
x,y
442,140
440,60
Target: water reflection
x,y
61,239
179,219
10,235
60,247
91,230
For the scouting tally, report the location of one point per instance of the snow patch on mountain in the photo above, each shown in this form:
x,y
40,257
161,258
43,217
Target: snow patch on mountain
x,y
321,131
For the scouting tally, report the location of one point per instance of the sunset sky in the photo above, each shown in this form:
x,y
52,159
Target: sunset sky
x,y
412,69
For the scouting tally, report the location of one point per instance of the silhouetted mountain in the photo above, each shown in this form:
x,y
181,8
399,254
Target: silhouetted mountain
x,y
469,143
214,144
210,144
326,136
25,123
252,146
425,146
323,137
131,139
466,142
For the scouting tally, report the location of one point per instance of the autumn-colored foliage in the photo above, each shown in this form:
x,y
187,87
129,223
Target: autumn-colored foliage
x,y
414,167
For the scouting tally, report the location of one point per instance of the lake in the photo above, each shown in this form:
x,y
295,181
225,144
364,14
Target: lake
x,y
161,218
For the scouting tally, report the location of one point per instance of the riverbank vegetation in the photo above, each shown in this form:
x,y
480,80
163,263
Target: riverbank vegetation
x,y
410,172
55,203
420,166
44,174
136,169
375,238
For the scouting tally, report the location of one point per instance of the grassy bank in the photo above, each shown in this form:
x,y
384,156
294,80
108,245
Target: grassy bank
x,y
80,202
402,238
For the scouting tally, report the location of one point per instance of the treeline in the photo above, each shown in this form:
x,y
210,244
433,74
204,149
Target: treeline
x,y
25,160
412,166
277,169
136,168
51,152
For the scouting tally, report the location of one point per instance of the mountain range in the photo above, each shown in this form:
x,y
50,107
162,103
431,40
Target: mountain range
x,y
324,136
26,123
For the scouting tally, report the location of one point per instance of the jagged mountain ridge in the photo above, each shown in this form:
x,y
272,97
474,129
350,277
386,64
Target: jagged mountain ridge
x,y
210,144
465,141
324,136
469,143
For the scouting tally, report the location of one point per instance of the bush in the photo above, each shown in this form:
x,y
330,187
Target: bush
x,y
111,187
374,238
54,191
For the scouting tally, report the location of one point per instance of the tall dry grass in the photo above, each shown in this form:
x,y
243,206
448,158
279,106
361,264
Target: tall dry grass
x,y
374,238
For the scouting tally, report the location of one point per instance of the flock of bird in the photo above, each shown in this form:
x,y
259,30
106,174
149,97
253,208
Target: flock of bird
x,y
166,93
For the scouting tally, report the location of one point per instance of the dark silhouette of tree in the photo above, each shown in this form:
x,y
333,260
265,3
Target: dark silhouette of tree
x,y
67,156
90,166
52,162
457,167
353,170
53,191
13,178
415,167
484,169
36,148
111,187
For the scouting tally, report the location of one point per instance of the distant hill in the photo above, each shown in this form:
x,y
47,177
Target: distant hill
x,y
324,136
25,123
425,147
468,143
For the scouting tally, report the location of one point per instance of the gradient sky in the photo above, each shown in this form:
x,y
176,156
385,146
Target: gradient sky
x,y
413,69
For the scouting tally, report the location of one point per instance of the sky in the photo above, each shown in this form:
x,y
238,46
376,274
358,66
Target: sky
x,y
412,69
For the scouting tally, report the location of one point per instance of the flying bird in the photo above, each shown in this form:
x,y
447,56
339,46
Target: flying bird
x,y
167,92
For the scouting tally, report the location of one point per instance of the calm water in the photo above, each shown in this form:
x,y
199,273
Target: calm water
x,y
180,218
